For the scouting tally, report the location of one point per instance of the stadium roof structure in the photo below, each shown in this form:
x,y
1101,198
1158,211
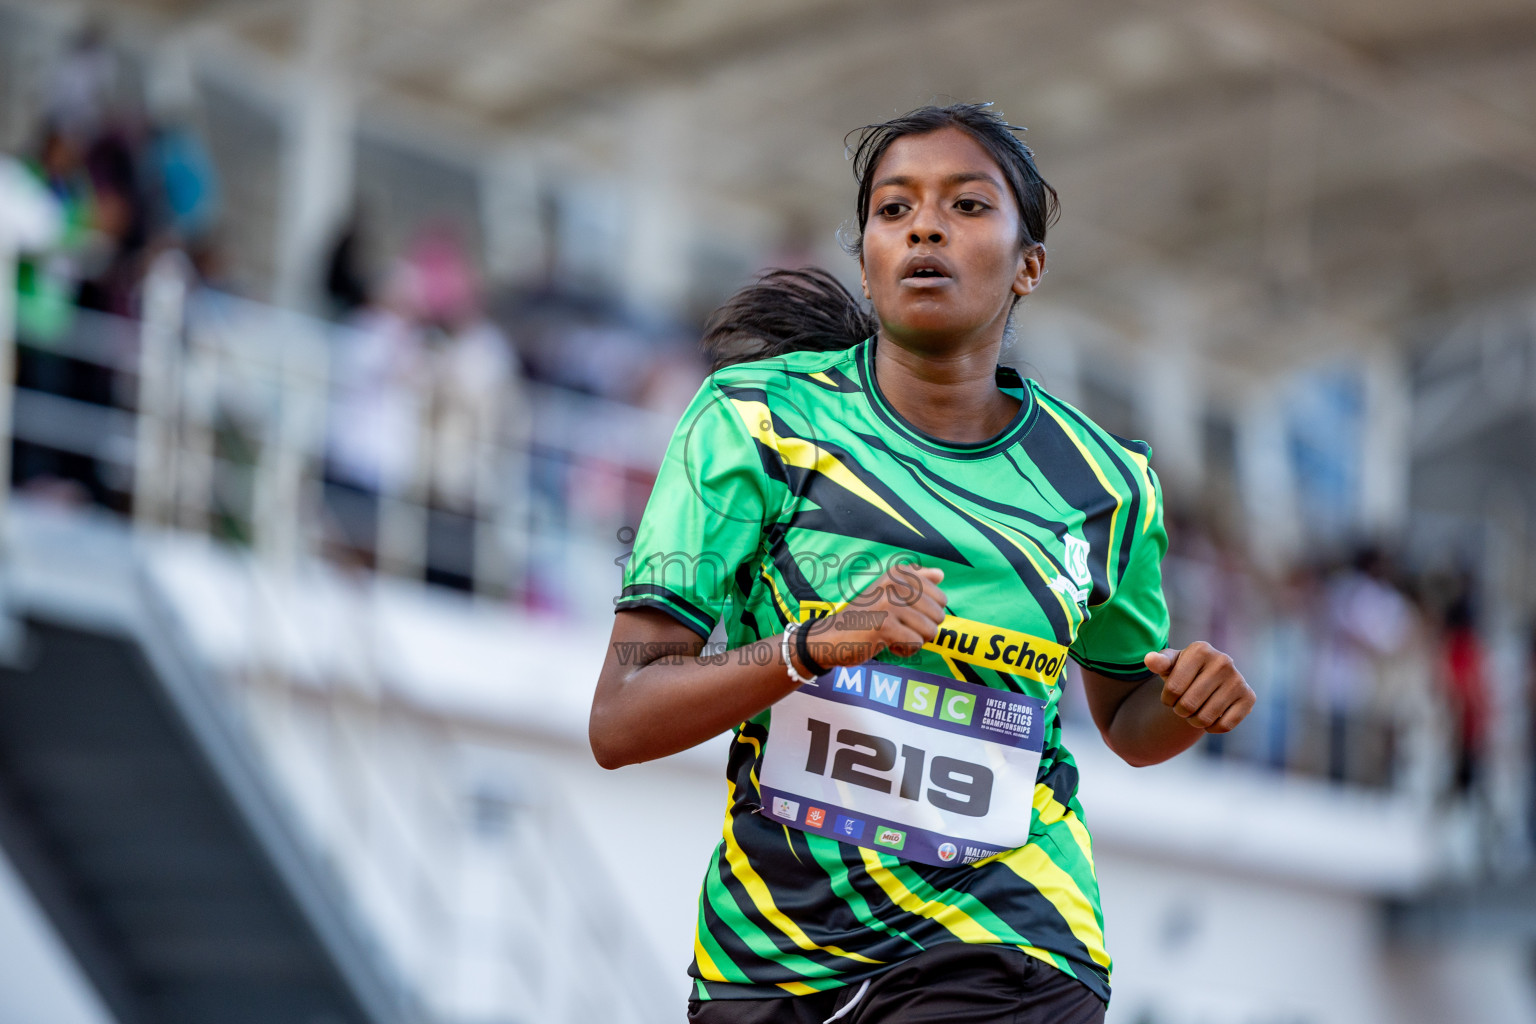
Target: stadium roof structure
x,y
1358,161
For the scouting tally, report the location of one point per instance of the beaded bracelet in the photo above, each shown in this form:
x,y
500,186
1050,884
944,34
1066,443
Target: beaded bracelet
x,y
789,664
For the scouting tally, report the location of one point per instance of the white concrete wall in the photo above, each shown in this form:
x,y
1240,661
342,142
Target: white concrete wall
x,y
40,983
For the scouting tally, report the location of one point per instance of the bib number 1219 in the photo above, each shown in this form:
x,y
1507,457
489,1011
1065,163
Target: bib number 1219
x,y
962,787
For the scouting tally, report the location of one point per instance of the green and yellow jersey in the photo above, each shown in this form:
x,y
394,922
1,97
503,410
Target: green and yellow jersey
x,y
789,486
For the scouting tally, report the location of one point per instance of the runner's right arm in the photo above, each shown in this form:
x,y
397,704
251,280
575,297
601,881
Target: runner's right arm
x,y
656,694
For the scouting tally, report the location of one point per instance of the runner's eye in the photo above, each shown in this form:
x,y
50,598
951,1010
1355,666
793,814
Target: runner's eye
x,y
970,205
891,209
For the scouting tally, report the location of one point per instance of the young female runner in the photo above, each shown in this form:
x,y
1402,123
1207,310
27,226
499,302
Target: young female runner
x,y
904,542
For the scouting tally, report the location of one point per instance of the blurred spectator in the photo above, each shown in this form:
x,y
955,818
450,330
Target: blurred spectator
x,y
1462,662
346,273
1366,620
125,192
121,220
424,384
82,88
189,186
48,275
470,381
374,416
31,217
1281,657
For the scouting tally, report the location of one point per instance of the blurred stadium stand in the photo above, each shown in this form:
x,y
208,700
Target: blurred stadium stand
x,y
346,339
132,807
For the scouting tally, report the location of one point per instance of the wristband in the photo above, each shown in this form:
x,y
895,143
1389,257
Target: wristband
x,y
789,665
803,649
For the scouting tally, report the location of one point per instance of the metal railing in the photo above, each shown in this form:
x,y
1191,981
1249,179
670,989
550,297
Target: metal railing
x,y
228,413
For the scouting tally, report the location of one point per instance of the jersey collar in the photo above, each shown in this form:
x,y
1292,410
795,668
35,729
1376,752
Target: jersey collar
x,y
1008,379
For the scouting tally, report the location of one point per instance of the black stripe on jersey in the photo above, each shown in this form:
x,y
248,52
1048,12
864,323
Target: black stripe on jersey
x,y
788,877
773,465
1139,447
834,509
841,382
970,675
746,577
1039,589
1002,508
724,935
1026,910
912,927
1062,782
1043,595
1067,470
1133,485
651,595
789,567
1126,673
1044,499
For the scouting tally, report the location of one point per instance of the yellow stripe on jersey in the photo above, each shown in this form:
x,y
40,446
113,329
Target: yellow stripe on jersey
x,y
751,881
960,924
1114,523
803,454
821,376
756,745
757,748
798,988
1145,469
778,598
1035,866
1039,954
1052,810
707,969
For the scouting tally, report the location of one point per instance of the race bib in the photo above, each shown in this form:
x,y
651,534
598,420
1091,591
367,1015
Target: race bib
x,y
932,769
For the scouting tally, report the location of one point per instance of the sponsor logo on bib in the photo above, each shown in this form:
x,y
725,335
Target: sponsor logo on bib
x,y
816,817
849,828
948,852
782,808
894,838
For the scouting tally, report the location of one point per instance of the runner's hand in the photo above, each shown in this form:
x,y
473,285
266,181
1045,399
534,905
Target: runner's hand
x,y
899,612
1203,687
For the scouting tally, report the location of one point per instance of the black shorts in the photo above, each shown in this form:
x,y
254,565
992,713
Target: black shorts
x,y
955,983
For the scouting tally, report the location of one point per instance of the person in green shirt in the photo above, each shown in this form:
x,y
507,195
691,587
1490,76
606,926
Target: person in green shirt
x,y
903,542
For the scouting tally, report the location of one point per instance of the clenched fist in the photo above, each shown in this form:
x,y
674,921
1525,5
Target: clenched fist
x,y
899,612
1203,687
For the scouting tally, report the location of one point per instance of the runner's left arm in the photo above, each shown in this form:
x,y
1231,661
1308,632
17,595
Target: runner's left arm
x,y
1193,691
1151,706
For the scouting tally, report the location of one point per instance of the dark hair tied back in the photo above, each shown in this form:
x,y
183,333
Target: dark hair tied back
x,y
786,311
809,310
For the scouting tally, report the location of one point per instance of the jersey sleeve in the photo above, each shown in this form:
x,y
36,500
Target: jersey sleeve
x,y
1119,633
704,517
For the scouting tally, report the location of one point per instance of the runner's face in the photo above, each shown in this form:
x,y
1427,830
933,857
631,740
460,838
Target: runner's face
x,y
941,247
